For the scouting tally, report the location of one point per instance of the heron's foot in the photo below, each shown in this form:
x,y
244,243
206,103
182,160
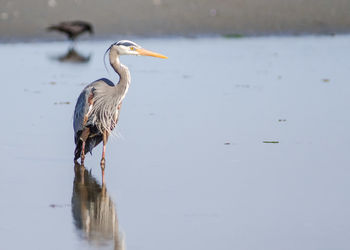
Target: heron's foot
x,y
82,159
103,164
79,169
78,166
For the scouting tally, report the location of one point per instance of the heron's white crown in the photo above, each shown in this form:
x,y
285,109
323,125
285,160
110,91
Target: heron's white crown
x,y
126,47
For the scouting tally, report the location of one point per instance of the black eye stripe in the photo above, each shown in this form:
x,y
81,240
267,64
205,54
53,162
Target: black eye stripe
x,y
128,44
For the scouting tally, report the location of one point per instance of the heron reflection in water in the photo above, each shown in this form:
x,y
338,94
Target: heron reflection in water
x,y
94,212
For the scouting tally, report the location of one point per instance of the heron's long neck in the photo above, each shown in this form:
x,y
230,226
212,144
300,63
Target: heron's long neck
x,y
122,70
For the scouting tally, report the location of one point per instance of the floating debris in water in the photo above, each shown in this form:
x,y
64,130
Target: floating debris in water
x,y
52,83
282,120
271,142
57,103
233,35
326,80
58,206
32,91
242,86
227,143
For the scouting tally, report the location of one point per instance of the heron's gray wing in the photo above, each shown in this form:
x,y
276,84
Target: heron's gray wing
x,y
84,103
82,107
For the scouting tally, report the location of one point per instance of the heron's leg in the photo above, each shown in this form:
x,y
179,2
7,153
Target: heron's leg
x,y
83,137
82,156
104,139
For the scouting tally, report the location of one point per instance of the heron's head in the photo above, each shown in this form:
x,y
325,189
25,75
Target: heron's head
x,y
126,47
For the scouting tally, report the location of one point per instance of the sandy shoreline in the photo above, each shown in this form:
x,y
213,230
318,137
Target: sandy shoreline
x,y
28,19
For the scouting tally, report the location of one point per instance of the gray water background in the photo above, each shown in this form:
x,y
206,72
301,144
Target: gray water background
x,y
189,168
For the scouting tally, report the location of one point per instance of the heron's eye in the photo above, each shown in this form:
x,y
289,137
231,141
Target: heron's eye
x,y
132,48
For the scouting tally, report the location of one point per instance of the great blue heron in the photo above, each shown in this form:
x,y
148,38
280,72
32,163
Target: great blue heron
x,y
97,109
72,28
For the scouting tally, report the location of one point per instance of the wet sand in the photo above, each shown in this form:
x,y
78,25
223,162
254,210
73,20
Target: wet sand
x,y
28,19
189,169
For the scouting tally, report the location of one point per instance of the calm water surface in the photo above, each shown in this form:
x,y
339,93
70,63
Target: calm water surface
x,y
189,168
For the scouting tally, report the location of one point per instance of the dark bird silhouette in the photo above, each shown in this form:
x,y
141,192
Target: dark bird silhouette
x,y
72,29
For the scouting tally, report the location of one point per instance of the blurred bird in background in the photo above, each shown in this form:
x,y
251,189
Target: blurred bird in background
x,y
72,29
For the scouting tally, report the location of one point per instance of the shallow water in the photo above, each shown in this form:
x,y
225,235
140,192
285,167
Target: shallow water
x,y
228,144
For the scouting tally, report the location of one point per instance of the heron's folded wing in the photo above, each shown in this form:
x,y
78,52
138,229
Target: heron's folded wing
x,y
82,107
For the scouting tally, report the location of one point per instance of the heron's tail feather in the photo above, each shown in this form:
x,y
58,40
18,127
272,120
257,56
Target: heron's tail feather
x,y
77,151
91,142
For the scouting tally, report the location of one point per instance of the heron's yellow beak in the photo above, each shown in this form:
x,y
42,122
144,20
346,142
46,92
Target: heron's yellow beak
x,y
144,52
